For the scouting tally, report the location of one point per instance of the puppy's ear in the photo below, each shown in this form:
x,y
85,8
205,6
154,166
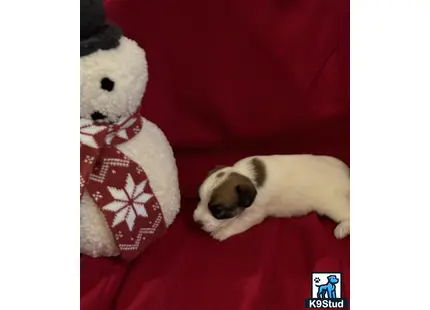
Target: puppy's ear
x,y
246,194
215,169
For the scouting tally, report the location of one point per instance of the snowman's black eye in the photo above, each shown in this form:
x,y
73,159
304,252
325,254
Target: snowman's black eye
x,y
107,84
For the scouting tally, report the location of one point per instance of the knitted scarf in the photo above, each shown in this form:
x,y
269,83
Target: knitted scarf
x,y
119,186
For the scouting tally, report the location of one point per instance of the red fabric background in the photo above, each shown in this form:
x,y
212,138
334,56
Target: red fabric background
x,y
228,79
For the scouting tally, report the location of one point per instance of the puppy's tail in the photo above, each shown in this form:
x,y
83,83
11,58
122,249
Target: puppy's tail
x,y
342,229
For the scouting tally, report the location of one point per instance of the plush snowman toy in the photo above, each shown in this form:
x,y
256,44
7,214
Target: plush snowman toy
x,y
129,182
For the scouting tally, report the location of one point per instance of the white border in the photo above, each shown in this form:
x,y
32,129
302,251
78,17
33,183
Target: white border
x,y
390,154
39,230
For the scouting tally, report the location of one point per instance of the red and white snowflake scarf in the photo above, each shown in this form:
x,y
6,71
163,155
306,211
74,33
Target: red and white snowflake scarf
x,y
119,186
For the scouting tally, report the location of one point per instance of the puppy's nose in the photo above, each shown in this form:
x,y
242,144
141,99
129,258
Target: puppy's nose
x,y
97,116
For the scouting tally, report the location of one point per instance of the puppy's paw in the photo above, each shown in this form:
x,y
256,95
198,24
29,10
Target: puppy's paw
x,y
221,234
342,230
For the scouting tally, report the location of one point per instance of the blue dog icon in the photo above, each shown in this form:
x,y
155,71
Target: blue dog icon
x,y
328,290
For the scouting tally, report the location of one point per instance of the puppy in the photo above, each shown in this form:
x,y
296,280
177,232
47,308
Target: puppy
x,y
233,199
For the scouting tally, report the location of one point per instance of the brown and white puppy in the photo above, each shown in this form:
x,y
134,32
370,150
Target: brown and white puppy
x,y
233,199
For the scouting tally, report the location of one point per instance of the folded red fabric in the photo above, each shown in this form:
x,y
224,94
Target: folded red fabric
x,y
228,79
269,267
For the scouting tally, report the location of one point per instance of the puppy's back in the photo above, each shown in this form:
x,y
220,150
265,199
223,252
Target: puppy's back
x,y
334,161
302,170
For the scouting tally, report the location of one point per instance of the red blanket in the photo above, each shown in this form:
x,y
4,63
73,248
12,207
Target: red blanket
x,y
228,79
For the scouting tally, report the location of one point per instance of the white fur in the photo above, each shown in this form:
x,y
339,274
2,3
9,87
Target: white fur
x,y
295,185
126,66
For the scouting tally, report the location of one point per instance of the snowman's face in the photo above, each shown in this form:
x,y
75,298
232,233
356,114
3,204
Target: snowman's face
x,y
113,82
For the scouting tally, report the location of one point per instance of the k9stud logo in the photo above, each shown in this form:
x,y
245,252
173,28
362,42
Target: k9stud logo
x,y
326,291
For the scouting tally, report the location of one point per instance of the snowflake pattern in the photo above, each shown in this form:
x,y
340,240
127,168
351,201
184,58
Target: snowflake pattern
x,y
88,131
123,196
122,132
128,203
97,196
119,235
89,159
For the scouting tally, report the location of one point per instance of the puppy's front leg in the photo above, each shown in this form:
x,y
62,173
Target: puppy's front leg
x,y
238,225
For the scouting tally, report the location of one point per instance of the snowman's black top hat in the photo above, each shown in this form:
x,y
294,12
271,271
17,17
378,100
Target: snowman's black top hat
x,y
96,32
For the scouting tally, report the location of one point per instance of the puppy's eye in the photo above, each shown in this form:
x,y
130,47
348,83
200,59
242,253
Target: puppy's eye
x,y
107,84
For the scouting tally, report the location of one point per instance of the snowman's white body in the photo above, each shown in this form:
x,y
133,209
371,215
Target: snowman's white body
x,y
126,66
151,150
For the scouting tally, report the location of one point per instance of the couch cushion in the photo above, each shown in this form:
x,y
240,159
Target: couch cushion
x,y
232,78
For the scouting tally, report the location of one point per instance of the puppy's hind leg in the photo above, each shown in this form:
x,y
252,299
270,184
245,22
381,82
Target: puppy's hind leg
x,y
338,210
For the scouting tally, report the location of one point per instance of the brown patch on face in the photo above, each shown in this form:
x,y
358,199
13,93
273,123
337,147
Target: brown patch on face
x,y
217,168
260,171
232,196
